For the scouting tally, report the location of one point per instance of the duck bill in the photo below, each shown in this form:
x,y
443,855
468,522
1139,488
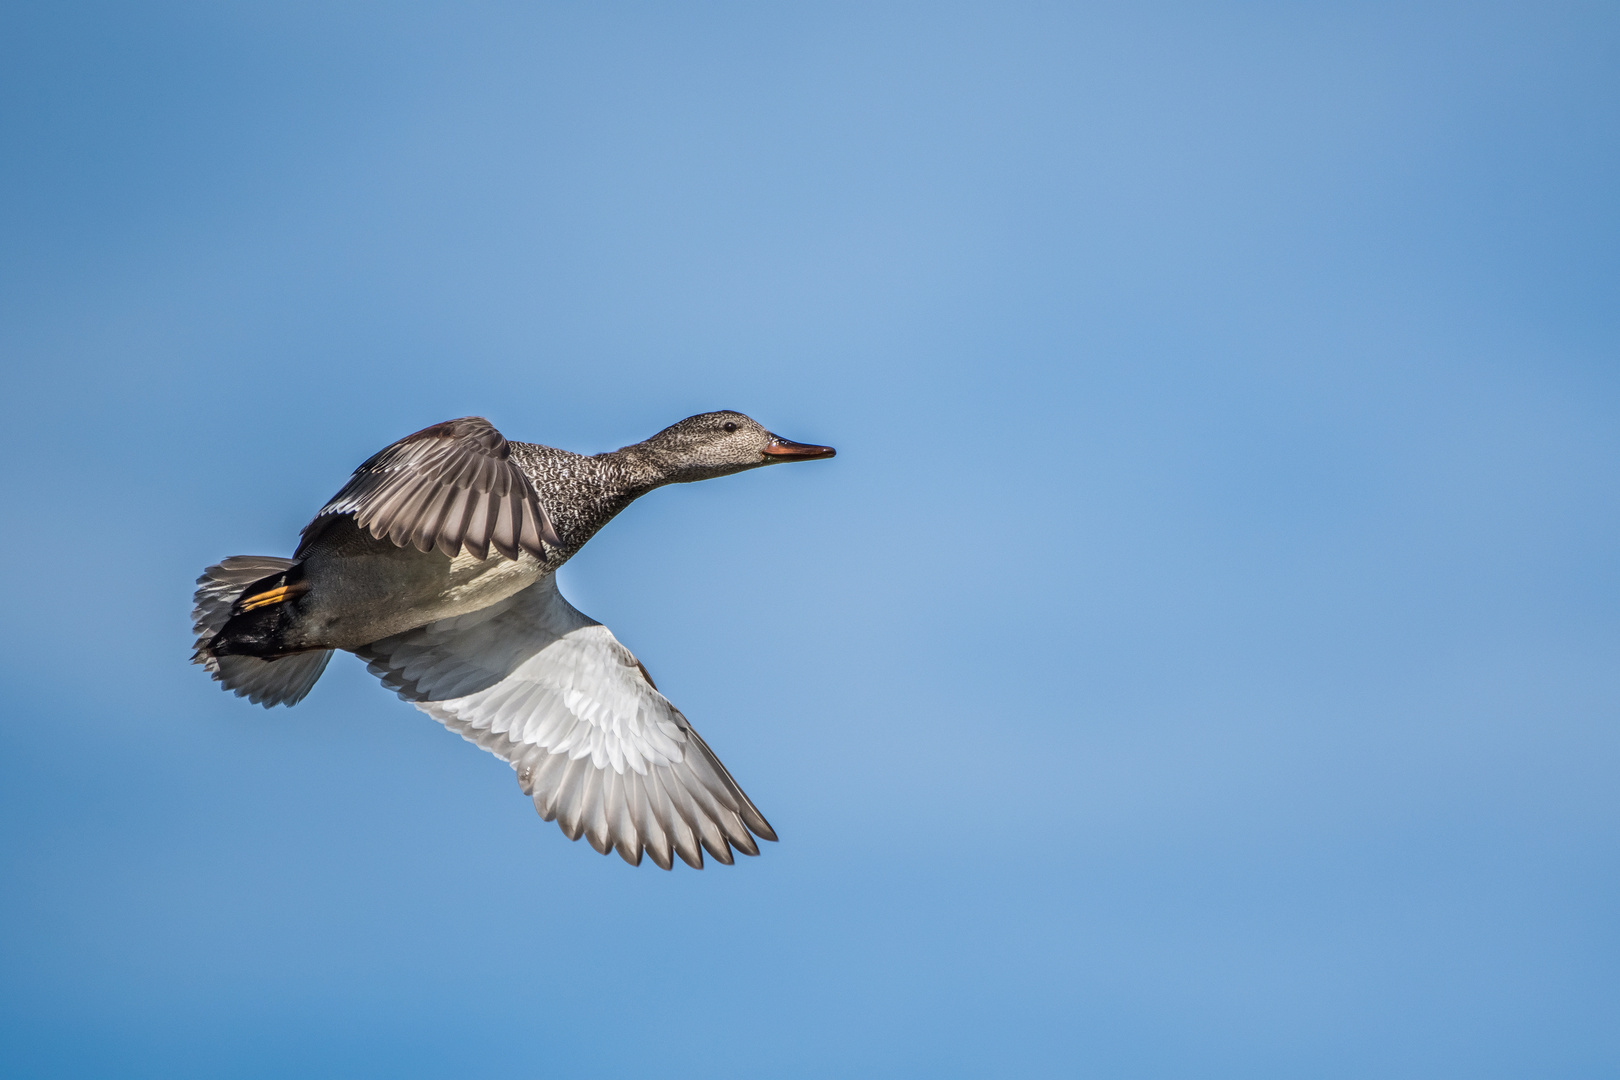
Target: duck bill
x,y
782,449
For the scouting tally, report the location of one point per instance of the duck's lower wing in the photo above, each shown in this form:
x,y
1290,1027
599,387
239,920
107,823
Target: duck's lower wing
x,y
596,746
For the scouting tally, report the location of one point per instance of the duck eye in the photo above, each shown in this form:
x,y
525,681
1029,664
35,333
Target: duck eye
x,y
728,426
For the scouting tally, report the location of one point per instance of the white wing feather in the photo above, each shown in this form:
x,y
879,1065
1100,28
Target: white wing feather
x,y
596,746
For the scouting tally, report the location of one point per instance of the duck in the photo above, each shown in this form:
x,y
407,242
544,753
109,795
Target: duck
x,y
436,565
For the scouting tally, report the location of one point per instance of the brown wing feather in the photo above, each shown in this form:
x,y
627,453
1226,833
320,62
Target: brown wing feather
x,y
448,487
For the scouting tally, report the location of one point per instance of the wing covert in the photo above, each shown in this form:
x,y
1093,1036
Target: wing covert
x,y
450,486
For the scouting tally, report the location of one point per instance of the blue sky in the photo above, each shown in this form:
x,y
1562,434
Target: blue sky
x,y
1200,660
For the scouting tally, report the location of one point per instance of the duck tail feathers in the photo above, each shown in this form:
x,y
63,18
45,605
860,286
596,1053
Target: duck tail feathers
x,y
280,681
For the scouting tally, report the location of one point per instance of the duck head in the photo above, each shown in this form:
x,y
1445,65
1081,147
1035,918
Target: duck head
x,y
718,444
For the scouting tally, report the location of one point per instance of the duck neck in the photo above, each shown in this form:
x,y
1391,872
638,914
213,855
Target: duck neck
x,y
647,465
582,494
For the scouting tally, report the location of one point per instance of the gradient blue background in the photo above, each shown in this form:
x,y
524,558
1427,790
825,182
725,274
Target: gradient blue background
x,y
1200,660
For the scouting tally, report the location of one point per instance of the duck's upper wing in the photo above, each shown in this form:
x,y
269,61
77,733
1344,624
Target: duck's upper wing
x,y
448,486
595,744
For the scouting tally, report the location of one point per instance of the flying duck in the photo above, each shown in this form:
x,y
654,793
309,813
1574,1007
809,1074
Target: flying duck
x,y
436,564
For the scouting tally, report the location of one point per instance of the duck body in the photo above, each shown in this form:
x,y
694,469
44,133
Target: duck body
x,y
452,534
354,588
